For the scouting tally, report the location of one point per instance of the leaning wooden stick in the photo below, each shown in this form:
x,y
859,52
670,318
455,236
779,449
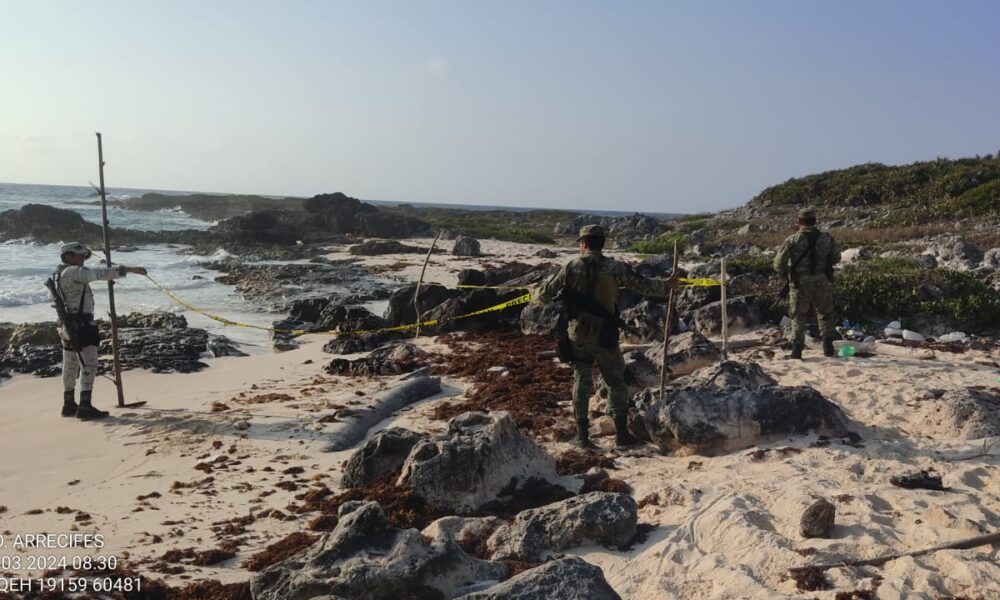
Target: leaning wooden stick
x,y
111,284
983,540
666,328
724,309
416,293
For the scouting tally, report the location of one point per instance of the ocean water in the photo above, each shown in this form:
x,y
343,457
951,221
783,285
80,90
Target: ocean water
x,y
24,267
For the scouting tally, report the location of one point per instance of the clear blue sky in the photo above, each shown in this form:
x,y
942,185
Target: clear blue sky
x,y
660,106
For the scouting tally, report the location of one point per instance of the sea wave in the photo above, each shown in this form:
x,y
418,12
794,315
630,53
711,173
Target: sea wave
x,y
24,298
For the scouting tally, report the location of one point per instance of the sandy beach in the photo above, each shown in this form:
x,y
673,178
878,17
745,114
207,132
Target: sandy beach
x,y
246,437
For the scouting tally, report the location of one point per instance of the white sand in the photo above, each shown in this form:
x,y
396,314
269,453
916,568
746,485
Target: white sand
x,y
727,528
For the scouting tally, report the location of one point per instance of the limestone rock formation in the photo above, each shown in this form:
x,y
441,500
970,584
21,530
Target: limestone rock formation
x,y
733,406
364,557
569,578
480,458
596,518
383,453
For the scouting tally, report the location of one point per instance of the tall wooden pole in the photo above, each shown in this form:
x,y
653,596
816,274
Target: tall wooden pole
x,y
416,292
724,310
666,328
111,284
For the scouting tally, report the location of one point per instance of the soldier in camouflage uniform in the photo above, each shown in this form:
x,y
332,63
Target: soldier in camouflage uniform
x,y
598,277
806,258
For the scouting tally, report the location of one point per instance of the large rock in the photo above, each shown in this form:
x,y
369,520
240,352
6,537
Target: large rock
x,y
466,246
46,224
393,359
734,406
447,313
169,350
687,353
541,319
597,518
818,519
740,314
481,458
366,558
32,334
401,310
158,320
383,453
381,247
569,578
646,321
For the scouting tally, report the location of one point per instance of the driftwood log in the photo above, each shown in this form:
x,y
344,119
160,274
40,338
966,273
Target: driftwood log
x,y
356,425
983,540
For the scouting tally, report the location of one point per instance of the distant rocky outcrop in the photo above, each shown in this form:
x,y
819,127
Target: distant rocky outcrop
x,y
50,225
324,218
207,207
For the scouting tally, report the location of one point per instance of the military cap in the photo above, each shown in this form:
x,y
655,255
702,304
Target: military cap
x,y
807,213
591,230
74,248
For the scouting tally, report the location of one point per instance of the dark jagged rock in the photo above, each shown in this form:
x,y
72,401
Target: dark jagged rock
x,y
818,520
365,557
383,453
501,276
381,247
687,353
347,319
285,333
480,459
740,313
32,334
734,406
646,319
159,320
271,284
401,310
570,578
466,246
169,350
307,309
394,359
541,319
596,518
470,302
43,361
366,342
546,253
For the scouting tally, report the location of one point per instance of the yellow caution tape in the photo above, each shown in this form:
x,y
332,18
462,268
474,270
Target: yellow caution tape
x,y
698,282
524,299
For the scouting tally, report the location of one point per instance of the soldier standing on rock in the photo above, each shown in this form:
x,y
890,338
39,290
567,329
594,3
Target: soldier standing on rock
x,y
588,286
72,288
806,259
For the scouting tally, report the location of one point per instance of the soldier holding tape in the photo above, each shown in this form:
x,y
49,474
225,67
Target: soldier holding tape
x,y
588,286
70,285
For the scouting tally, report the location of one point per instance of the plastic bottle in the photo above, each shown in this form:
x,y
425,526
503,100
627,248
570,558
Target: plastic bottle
x,y
846,351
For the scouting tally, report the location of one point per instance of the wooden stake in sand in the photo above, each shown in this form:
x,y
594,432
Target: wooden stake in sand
x,y
416,293
983,540
724,310
666,328
111,284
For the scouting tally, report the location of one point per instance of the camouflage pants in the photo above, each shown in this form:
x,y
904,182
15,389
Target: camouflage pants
x,y
813,291
612,366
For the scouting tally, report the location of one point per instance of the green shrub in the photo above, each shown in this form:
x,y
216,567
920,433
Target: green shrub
x,y
661,245
897,288
750,265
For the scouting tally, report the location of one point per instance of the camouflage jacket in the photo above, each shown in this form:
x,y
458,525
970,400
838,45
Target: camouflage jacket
x,y
825,254
607,276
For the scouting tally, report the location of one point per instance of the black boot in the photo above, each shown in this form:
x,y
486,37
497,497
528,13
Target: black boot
x,y
582,438
623,439
828,347
796,352
69,403
86,411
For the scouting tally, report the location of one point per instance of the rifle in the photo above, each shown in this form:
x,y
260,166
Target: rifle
x,y
64,319
783,293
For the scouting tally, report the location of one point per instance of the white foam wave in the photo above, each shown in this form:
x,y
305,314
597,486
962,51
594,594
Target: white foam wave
x,y
24,298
